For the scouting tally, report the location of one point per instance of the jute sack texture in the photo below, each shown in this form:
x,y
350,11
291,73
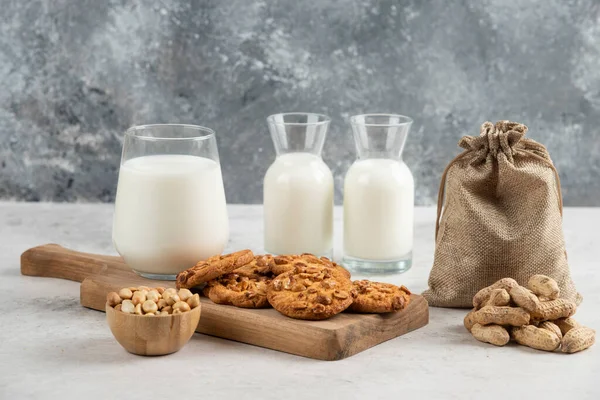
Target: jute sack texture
x,y
502,217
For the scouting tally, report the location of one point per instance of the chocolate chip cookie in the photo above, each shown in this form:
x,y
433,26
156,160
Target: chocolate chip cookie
x,y
286,263
215,266
246,291
311,292
377,297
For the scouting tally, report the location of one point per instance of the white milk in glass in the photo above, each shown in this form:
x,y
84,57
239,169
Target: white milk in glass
x,y
170,212
379,197
298,205
378,210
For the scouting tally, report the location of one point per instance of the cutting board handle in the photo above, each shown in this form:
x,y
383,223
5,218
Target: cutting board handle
x,y
54,261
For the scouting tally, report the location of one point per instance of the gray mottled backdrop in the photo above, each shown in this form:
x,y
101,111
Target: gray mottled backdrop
x,y
75,73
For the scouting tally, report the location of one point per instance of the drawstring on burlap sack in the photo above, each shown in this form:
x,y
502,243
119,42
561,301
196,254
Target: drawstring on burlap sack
x,y
507,143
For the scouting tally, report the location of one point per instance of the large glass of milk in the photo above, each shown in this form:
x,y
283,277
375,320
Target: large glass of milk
x,y
170,208
298,187
379,197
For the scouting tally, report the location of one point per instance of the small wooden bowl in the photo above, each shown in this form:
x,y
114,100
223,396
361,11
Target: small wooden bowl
x,y
153,335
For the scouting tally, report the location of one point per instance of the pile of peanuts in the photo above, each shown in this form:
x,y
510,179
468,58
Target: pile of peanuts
x,y
533,316
143,300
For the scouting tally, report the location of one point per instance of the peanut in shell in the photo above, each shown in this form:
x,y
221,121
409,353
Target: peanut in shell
x,y
554,309
513,316
498,297
545,286
493,334
483,295
566,324
524,298
468,321
578,339
552,327
536,338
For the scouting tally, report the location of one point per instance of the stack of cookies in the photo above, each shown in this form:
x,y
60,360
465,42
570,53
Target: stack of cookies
x,y
298,286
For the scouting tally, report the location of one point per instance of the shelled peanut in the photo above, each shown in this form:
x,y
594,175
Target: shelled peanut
x,y
147,301
533,316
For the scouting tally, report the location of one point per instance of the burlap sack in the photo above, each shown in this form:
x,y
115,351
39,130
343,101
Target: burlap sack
x,y
502,217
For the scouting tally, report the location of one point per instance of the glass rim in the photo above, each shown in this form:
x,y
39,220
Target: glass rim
x,y
402,119
204,133
325,119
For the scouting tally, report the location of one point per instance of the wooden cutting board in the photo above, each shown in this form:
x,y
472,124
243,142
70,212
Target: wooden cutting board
x,y
336,338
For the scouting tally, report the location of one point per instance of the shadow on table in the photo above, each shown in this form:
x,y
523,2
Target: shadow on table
x,y
83,351
16,271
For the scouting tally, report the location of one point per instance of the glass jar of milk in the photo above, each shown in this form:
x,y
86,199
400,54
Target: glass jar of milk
x,y
298,187
379,197
170,208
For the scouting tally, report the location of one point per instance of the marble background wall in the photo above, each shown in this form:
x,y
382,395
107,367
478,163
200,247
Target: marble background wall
x,y
75,73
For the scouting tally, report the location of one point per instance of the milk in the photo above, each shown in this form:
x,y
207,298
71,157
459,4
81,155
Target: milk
x,y
298,205
170,212
378,210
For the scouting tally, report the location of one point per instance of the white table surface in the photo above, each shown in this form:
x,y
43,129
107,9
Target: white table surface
x,y
51,347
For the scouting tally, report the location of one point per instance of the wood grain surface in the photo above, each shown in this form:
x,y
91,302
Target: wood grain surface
x,y
336,338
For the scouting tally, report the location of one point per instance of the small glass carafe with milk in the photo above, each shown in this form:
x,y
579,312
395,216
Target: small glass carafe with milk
x,y
298,187
379,197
